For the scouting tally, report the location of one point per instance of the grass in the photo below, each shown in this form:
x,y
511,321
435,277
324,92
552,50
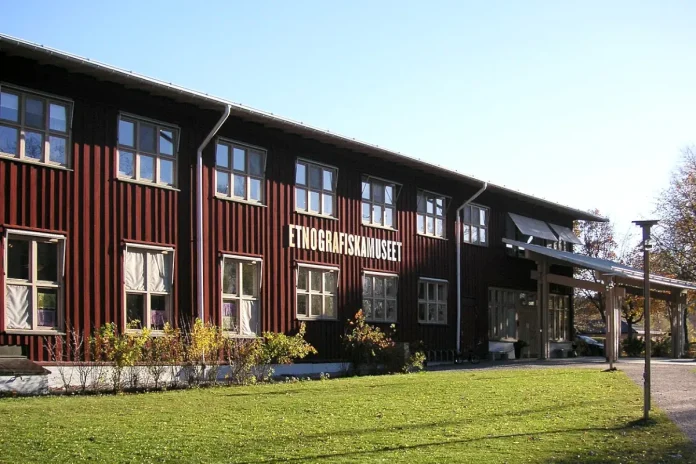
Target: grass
x,y
512,415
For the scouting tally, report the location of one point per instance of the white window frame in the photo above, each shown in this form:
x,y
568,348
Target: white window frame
x,y
33,238
372,204
306,190
46,133
169,296
370,314
309,292
559,317
138,154
231,172
468,225
438,300
239,261
423,200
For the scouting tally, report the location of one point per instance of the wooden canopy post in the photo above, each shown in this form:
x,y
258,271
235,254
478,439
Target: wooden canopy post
x,y
543,307
611,322
678,303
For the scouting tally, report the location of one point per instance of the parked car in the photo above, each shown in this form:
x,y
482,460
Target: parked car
x,y
594,348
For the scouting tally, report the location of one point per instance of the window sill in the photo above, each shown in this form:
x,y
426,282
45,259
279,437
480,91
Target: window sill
x,y
33,332
420,234
316,215
240,200
377,226
35,163
308,318
147,184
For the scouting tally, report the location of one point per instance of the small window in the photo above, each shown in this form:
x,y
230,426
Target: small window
x,y
239,171
148,287
502,313
240,296
431,214
475,225
432,301
315,188
316,292
147,151
379,295
378,202
34,127
34,283
559,320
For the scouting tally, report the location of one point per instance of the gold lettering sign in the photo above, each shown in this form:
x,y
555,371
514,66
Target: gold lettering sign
x,y
310,238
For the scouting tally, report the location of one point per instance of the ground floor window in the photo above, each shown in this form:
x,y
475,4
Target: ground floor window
x,y
34,281
380,296
148,279
241,278
316,291
559,322
502,313
432,301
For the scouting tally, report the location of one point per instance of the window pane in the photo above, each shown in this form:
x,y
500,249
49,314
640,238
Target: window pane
x,y
230,319
135,310
301,174
229,277
255,163
365,190
388,217
167,171
474,235
430,225
482,236
391,287
377,214
441,313
430,206
57,149
438,227
125,164
315,307
147,168
8,140
239,186
367,285
438,207
302,305
301,199
58,117
34,115
47,261
146,138
302,278
222,155
327,204
366,212
379,287
125,133
158,312
420,207
475,213
9,106
255,189
166,142
432,312
467,215
314,177
379,310
466,236
432,296
18,259
239,159
314,201
391,310
47,307
389,195
329,308
328,180
249,279
367,308
421,224
378,192
315,280
482,217
329,282
33,145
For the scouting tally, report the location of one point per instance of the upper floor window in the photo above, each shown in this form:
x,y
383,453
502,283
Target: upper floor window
x,y
316,292
475,225
378,202
239,171
148,274
34,283
431,214
147,150
34,127
432,301
315,188
241,285
379,292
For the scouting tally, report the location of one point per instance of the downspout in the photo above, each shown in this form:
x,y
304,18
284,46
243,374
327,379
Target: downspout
x,y
459,264
199,210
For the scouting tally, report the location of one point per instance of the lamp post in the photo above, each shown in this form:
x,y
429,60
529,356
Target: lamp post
x,y
646,225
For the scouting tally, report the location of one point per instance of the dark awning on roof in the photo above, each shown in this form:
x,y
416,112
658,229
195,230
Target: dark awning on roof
x,y
533,227
566,234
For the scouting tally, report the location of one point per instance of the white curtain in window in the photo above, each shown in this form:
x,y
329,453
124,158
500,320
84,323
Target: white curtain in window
x,y
135,270
249,317
17,307
159,276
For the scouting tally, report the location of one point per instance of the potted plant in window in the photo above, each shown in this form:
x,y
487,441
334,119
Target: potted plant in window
x,y
519,344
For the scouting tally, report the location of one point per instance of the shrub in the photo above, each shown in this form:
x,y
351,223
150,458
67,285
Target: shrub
x,y
203,343
161,352
661,347
123,350
365,344
243,357
633,346
415,362
278,348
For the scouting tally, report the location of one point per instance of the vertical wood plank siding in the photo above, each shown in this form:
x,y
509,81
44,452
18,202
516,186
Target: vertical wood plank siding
x,y
98,213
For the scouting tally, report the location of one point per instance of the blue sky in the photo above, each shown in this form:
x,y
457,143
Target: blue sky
x,y
584,103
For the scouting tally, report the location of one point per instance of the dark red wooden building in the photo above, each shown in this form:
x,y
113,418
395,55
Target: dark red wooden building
x,y
123,199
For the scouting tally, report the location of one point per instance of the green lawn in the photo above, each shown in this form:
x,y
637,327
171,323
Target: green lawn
x,y
515,416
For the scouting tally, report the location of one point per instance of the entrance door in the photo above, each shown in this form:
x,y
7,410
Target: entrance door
x,y
528,323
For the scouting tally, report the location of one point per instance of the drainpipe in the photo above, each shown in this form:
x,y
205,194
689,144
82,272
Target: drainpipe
x,y
199,209
459,264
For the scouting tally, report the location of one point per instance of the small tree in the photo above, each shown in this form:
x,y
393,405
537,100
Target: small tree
x,y
365,344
